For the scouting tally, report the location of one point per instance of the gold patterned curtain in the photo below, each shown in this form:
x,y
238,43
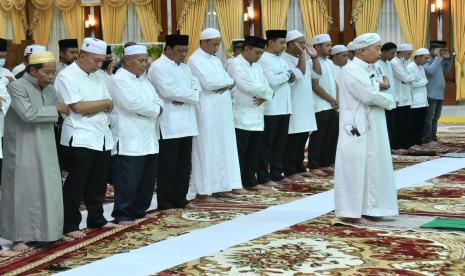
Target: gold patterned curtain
x,y
316,16
230,20
3,17
413,19
41,22
274,13
73,18
458,28
114,14
365,14
147,18
192,21
16,9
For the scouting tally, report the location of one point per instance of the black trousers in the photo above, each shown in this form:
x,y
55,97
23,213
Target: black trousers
x,y
323,142
390,122
271,163
433,113
248,149
402,131
87,179
294,153
174,169
417,125
61,150
134,180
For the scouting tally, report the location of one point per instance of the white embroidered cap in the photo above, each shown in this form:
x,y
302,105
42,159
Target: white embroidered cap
x,y
404,47
337,49
294,34
34,48
321,38
365,40
421,51
94,45
135,50
209,33
350,46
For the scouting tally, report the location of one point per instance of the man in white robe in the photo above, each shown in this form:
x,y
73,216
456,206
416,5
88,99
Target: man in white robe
x,y
237,45
180,91
367,188
215,164
403,83
277,111
419,95
339,57
133,124
299,57
251,91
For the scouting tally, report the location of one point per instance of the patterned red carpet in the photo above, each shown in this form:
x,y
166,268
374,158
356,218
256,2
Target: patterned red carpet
x,y
314,247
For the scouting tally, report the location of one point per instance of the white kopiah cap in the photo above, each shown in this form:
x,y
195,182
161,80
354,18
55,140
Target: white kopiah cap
x,y
365,40
338,49
321,38
34,48
404,47
135,50
421,51
294,34
350,46
94,45
209,33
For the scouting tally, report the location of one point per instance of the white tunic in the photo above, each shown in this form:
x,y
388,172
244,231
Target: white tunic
x,y
419,92
364,176
327,82
4,108
3,74
73,85
384,68
402,81
215,162
250,82
133,119
303,114
175,82
18,68
277,73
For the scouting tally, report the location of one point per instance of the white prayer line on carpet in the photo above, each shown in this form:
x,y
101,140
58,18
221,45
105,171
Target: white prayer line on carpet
x,y
204,242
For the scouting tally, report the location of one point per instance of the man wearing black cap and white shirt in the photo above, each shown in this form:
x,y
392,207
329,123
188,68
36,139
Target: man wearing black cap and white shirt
x,y
438,62
180,91
277,111
68,53
237,45
87,137
367,190
322,144
251,91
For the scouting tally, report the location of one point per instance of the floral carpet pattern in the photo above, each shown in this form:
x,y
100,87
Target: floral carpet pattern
x,y
314,247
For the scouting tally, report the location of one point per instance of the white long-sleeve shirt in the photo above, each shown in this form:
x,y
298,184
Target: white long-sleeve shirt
x,y
402,81
419,92
327,81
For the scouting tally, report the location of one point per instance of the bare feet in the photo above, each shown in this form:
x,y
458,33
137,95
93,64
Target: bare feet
x,y
240,192
329,170
297,178
127,223
208,199
260,187
169,212
286,180
307,175
20,247
66,238
400,151
371,218
111,225
318,172
191,206
358,221
75,235
7,253
268,184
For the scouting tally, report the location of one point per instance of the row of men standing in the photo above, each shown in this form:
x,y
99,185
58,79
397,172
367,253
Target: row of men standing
x,y
196,102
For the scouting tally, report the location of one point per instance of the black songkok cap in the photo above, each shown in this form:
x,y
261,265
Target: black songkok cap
x,y
437,44
238,43
108,50
176,39
255,41
3,44
388,46
274,34
68,43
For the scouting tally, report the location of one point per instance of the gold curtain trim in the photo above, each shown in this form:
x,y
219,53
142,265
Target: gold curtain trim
x,y
115,3
65,5
325,12
356,10
7,5
29,27
187,5
42,4
148,4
